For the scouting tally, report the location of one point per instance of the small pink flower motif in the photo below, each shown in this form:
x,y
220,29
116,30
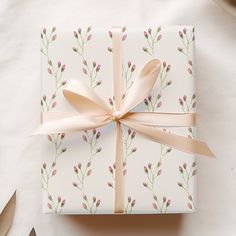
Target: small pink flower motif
x,y
187,173
89,172
89,37
54,37
124,37
49,138
63,203
84,206
187,38
49,206
98,68
98,135
152,37
154,205
84,138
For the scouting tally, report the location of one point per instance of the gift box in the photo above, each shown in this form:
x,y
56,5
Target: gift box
x,y
78,169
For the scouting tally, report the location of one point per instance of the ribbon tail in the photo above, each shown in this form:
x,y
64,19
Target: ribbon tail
x,y
59,122
162,119
181,143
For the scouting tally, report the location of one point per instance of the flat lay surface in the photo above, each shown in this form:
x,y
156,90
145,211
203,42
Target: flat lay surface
x,y
20,154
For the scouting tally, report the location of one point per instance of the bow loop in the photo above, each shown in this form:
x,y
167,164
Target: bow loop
x,y
85,100
142,86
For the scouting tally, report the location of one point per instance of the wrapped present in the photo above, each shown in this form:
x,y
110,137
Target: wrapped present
x,y
118,120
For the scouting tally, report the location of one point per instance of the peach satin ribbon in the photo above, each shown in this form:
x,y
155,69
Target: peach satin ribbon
x,y
93,112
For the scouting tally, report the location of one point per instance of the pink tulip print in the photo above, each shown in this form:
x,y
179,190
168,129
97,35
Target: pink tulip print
x,y
56,205
47,37
153,171
187,173
90,69
128,150
49,171
55,69
187,37
55,72
154,101
124,36
130,203
84,171
128,68
188,105
128,71
152,36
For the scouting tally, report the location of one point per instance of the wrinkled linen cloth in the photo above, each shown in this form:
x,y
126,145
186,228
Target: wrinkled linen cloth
x,y
20,154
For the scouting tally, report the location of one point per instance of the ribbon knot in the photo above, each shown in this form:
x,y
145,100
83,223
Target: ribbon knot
x,y
94,112
116,116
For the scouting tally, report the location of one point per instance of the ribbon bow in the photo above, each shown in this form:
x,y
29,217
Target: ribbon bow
x,y
93,112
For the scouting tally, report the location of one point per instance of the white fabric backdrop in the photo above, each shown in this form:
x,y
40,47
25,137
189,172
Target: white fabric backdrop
x,y
20,22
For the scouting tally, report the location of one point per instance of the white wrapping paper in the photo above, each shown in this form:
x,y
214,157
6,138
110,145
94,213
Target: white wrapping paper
x,y
78,169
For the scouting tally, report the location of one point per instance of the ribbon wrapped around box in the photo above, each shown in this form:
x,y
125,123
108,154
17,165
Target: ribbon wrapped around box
x,y
93,112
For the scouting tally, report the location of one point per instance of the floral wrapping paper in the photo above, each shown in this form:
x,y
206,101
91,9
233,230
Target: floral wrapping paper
x,y
78,168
